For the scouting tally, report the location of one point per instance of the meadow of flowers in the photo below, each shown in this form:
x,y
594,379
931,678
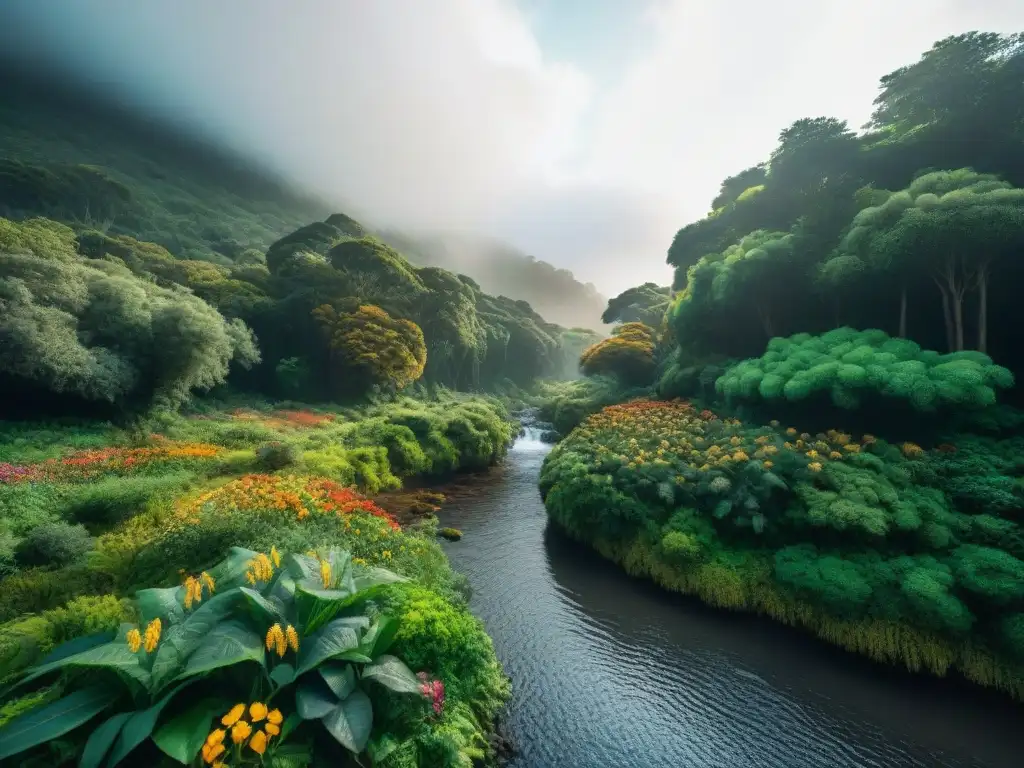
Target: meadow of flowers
x,y
891,550
89,518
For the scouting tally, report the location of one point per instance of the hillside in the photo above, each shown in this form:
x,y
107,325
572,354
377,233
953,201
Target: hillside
x,y
93,165
498,268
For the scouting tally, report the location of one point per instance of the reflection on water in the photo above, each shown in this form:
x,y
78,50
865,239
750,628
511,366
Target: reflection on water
x,y
610,671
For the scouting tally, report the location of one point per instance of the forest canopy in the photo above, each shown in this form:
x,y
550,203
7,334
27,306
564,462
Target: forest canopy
x,y
90,332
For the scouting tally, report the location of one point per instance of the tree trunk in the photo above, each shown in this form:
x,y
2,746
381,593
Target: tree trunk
x,y
903,313
947,315
983,309
956,295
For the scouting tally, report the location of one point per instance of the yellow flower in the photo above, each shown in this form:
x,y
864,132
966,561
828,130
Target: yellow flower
x,y
812,454
276,640
271,729
835,455
259,743
134,639
325,572
852,448
215,737
275,557
240,731
257,711
260,569
233,715
814,466
207,579
293,638
152,635
790,431
768,465
190,583
212,751
274,716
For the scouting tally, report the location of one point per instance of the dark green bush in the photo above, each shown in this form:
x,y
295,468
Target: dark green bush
x,y
111,500
277,455
53,544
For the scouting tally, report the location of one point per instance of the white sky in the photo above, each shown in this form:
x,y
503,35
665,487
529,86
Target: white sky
x,y
467,114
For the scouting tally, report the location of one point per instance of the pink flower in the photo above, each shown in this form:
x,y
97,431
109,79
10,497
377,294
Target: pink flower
x,y
432,690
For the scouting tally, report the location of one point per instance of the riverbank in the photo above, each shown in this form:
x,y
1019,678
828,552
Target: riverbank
x,y
91,514
606,666
832,535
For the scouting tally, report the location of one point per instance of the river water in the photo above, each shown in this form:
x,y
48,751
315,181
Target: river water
x,y
610,671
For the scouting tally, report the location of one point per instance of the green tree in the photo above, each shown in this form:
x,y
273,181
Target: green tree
x,y
92,331
954,226
645,303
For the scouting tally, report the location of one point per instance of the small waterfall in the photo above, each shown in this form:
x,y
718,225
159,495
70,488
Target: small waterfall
x,y
530,434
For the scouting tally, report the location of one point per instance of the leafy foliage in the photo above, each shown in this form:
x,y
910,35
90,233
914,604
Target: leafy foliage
x,y
645,304
628,354
375,347
855,539
256,625
87,332
849,365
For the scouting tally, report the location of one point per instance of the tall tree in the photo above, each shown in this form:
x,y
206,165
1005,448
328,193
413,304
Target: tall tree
x,y
954,226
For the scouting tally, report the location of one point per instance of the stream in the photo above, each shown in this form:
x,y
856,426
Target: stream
x,y
610,671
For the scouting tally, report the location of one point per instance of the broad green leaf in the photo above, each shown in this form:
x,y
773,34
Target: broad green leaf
x,y
314,698
340,678
181,737
330,641
391,672
115,656
138,728
55,719
230,572
229,643
380,749
374,577
351,721
101,740
76,646
164,603
341,570
291,722
283,674
268,609
181,640
301,567
316,606
356,656
380,637
281,587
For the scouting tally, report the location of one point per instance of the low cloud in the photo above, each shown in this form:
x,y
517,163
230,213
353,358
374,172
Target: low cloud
x,y
447,114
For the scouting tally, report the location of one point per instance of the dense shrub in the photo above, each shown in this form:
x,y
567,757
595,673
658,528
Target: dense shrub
x,y
92,331
848,364
53,544
277,455
854,538
628,355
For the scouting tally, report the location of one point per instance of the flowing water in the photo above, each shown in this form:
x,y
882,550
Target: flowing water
x,y
608,670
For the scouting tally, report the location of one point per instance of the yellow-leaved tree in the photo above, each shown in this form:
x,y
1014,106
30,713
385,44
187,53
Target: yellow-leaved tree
x,y
372,348
628,354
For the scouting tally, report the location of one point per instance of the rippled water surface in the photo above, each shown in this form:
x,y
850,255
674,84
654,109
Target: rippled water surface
x,y
611,671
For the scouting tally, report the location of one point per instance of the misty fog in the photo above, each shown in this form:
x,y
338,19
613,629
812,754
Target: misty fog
x,y
451,114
